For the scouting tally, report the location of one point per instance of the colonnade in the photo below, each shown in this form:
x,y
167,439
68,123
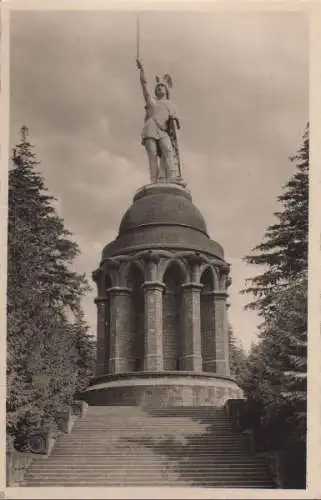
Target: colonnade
x,y
160,312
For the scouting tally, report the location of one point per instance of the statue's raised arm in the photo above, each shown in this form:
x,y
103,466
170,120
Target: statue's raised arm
x,y
143,82
159,132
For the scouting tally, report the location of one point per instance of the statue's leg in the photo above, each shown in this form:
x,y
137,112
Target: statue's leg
x,y
166,147
151,148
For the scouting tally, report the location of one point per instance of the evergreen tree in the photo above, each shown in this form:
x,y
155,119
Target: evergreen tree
x,y
284,348
43,294
284,250
275,375
276,370
86,352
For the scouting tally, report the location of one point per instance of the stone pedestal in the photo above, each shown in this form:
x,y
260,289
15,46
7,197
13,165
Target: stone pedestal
x,y
162,390
156,347
153,296
192,357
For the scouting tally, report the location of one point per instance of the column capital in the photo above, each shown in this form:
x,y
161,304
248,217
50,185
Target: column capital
x,y
208,293
192,286
99,300
96,275
220,295
225,268
153,285
195,259
119,290
111,263
151,256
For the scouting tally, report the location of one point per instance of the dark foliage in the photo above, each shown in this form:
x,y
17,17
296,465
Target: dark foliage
x,y
49,349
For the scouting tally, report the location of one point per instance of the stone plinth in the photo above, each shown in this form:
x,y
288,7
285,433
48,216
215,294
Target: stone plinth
x,y
163,389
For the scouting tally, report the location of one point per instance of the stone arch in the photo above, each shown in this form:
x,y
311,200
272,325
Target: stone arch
x,y
173,277
209,282
178,264
111,267
208,270
107,283
224,280
125,270
135,341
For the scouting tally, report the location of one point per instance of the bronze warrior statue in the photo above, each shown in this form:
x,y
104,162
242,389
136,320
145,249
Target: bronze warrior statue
x,y
159,131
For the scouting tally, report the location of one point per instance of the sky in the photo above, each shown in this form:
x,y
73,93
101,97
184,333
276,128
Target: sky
x,y
241,87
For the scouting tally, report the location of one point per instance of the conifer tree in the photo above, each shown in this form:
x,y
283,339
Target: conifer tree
x,y
86,352
276,371
284,250
43,295
275,374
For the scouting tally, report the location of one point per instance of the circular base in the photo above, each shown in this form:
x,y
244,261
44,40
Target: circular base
x,y
165,187
161,389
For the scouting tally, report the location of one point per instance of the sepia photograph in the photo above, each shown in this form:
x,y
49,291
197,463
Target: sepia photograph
x,y
157,255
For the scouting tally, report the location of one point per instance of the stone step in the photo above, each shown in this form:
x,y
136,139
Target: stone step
x,y
152,452
218,455
142,438
137,413
132,446
237,461
153,410
156,447
226,483
156,429
169,466
123,422
72,460
181,430
121,478
142,422
154,440
135,472
160,418
150,422
107,466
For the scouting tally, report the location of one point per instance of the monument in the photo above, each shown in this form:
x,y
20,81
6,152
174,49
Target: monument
x,y
159,132
162,336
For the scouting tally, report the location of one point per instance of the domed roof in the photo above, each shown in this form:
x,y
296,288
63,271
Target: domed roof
x,y
161,205
162,216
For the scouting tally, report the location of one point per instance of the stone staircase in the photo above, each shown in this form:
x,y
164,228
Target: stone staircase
x,y
133,446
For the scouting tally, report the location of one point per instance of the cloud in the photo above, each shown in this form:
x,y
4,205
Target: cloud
x,y
241,87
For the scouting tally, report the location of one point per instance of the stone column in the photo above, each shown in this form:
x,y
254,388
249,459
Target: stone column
x,y
191,356
153,310
227,343
119,331
221,333
102,335
208,332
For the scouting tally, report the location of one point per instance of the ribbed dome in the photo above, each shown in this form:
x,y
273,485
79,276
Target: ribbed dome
x,y
162,216
162,205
